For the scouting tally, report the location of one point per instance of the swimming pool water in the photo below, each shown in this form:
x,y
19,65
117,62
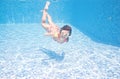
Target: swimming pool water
x,y
21,56
98,19
93,51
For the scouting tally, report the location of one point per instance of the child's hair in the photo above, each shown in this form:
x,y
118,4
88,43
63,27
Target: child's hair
x,y
68,28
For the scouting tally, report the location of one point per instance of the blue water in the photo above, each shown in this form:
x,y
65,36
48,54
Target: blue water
x,y
93,51
98,19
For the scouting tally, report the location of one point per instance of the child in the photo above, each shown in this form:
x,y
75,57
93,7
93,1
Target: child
x,y
60,35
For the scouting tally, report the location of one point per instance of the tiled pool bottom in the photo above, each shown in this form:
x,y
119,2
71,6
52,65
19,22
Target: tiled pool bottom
x,y
25,53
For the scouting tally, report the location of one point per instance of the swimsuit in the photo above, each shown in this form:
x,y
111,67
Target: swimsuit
x,y
57,38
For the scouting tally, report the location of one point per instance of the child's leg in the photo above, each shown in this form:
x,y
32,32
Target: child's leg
x,y
49,19
45,25
44,17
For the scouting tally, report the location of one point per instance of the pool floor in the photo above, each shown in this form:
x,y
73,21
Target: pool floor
x,y
25,53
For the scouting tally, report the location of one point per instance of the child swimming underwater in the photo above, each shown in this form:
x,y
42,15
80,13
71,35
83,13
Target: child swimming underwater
x,y
60,35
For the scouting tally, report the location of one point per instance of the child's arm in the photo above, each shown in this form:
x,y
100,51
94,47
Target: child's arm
x,y
48,34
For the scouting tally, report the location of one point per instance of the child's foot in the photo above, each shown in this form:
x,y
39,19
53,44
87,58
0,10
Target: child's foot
x,y
46,5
